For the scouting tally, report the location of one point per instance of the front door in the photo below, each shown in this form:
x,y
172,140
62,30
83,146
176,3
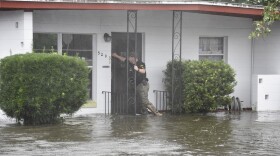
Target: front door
x,y
123,101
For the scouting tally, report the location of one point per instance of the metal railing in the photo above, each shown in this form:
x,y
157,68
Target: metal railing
x,y
119,103
116,103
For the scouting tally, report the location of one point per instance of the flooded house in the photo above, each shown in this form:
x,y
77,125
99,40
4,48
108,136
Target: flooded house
x,y
158,31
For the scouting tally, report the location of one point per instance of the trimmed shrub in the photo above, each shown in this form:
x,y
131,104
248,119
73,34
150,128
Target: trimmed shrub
x,y
202,85
177,94
207,85
38,87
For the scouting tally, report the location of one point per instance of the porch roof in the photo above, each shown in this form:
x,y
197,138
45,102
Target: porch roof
x,y
227,9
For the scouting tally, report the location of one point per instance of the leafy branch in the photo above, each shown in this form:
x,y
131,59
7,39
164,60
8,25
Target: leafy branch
x,y
270,15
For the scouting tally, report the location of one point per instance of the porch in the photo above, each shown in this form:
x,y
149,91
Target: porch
x,y
165,35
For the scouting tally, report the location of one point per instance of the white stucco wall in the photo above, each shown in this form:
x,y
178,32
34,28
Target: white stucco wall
x,y
27,32
267,52
13,39
157,29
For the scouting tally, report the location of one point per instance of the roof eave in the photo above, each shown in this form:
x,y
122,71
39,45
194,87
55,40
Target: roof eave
x,y
191,7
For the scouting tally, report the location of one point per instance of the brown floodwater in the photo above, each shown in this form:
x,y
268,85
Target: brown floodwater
x,y
248,133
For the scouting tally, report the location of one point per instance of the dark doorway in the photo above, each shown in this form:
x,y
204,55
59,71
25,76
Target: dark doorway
x,y
122,80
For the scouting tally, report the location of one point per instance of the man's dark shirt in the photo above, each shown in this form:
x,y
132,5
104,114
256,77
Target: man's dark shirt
x,y
139,76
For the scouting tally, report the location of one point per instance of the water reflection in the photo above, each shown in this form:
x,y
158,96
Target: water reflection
x,y
129,126
212,134
203,134
257,134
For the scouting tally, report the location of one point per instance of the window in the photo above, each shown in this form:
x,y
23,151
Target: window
x,y
212,48
43,42
80,45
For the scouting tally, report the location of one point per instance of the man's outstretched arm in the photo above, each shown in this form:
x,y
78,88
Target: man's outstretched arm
x,y
121,58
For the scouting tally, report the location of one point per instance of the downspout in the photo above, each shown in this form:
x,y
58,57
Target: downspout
x,y
252,70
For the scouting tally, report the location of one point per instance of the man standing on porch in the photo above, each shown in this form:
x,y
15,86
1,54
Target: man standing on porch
x,y
142,84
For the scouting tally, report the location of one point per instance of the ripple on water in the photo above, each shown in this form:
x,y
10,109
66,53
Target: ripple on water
x,y
211,134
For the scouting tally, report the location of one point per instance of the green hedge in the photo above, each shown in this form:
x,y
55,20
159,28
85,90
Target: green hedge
x,y
39,87
205,85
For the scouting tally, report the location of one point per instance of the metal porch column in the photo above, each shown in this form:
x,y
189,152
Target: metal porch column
x,y
131,78
176,56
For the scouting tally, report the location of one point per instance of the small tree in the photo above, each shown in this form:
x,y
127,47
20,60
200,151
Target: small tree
x,y
39,87
207,84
